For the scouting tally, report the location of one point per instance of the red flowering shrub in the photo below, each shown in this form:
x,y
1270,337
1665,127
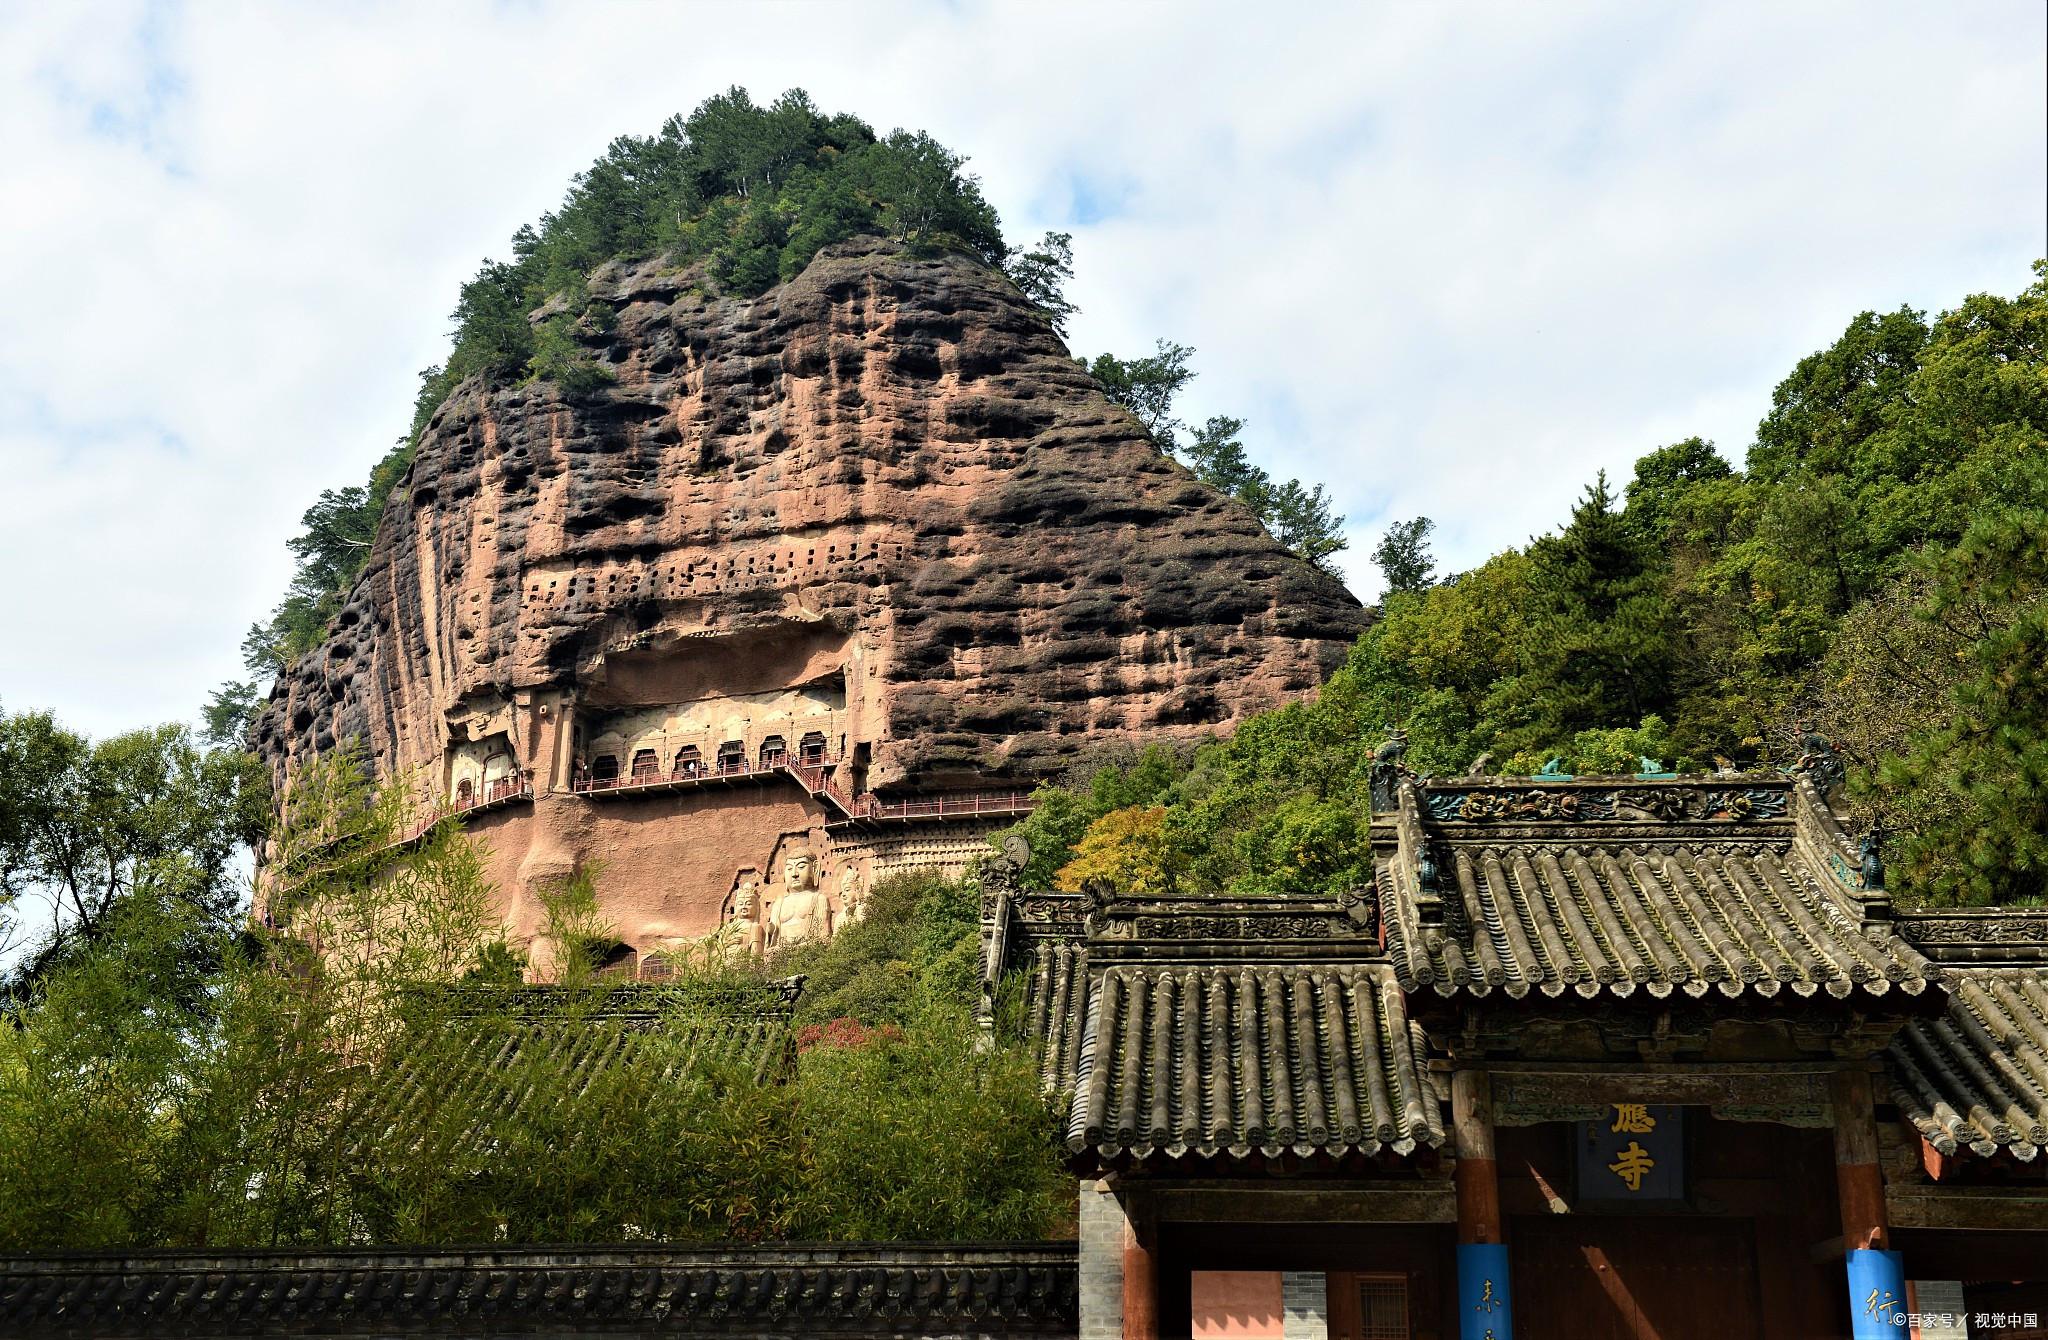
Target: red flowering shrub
x,y
845,1033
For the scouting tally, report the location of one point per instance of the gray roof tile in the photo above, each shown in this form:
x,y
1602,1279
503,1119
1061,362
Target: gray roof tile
x,y
1236,1059
850,1290
1056,988
1976,1078
1612,888
461,1062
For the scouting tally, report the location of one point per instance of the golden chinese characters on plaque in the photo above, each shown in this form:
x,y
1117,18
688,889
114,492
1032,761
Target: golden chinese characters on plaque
x,y
1633,1154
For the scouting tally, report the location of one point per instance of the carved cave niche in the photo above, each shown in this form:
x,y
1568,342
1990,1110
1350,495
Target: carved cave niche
x,y
616,960
719,733
482,770
743,899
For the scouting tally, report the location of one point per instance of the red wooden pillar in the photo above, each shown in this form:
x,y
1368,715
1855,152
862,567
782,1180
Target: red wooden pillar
x,y
1478,1181
1141,1272
1485,1298
1876,1275
1858,1179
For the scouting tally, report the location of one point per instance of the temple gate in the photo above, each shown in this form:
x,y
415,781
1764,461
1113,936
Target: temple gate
x,y
1607,1057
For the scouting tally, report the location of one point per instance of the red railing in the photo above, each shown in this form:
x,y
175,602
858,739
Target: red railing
x,y
504,788
717,771
500,792
816,778
938,807
503,791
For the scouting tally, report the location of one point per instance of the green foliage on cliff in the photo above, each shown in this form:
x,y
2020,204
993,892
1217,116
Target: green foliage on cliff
x,y
752,192
330,549
176,1084
1877,572
1298,515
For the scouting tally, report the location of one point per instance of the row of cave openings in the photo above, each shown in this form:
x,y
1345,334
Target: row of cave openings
x,y
688,762
690,571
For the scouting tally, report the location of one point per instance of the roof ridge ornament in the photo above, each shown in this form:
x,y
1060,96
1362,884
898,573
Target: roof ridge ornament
x,y
1383,781
1819,761
1871,849
1635,800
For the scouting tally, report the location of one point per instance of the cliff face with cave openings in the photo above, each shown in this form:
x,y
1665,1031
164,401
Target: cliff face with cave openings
x,y
820,572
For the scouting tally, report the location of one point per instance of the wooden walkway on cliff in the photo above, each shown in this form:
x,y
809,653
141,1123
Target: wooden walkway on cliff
x,y
862,809
816,778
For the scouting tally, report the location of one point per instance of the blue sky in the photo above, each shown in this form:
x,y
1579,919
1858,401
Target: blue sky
x,y
1448,259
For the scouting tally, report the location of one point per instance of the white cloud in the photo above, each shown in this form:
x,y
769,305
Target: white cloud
x,y
1450,259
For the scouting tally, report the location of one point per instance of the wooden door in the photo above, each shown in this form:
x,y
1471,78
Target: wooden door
x,y
1585,1277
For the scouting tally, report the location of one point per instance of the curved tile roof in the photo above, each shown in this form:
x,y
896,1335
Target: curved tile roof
x,y
1589,917
842,1289
1055,1007
473,1058
1236,1059
1687,887
1976,1078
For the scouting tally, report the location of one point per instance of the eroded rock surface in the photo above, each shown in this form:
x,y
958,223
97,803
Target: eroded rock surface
x,y
880,509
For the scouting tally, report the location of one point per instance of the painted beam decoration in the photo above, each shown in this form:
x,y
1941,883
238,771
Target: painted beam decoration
x,y
1659,804
1634,1154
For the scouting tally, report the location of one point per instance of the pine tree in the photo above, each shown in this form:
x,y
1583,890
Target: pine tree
x,y
1602,654
1993,755
1403,556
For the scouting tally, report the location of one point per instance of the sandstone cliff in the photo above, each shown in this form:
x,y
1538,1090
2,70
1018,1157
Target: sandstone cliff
x,y
876,522
888,459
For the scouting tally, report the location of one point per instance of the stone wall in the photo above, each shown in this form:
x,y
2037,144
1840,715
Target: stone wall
x,y
845,1291
1100,1304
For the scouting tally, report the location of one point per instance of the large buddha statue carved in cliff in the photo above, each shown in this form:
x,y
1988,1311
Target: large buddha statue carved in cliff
x,y
802,913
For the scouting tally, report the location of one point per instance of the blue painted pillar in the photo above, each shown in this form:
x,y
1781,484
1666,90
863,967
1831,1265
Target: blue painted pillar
x,y
1485,1308
1877,1295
